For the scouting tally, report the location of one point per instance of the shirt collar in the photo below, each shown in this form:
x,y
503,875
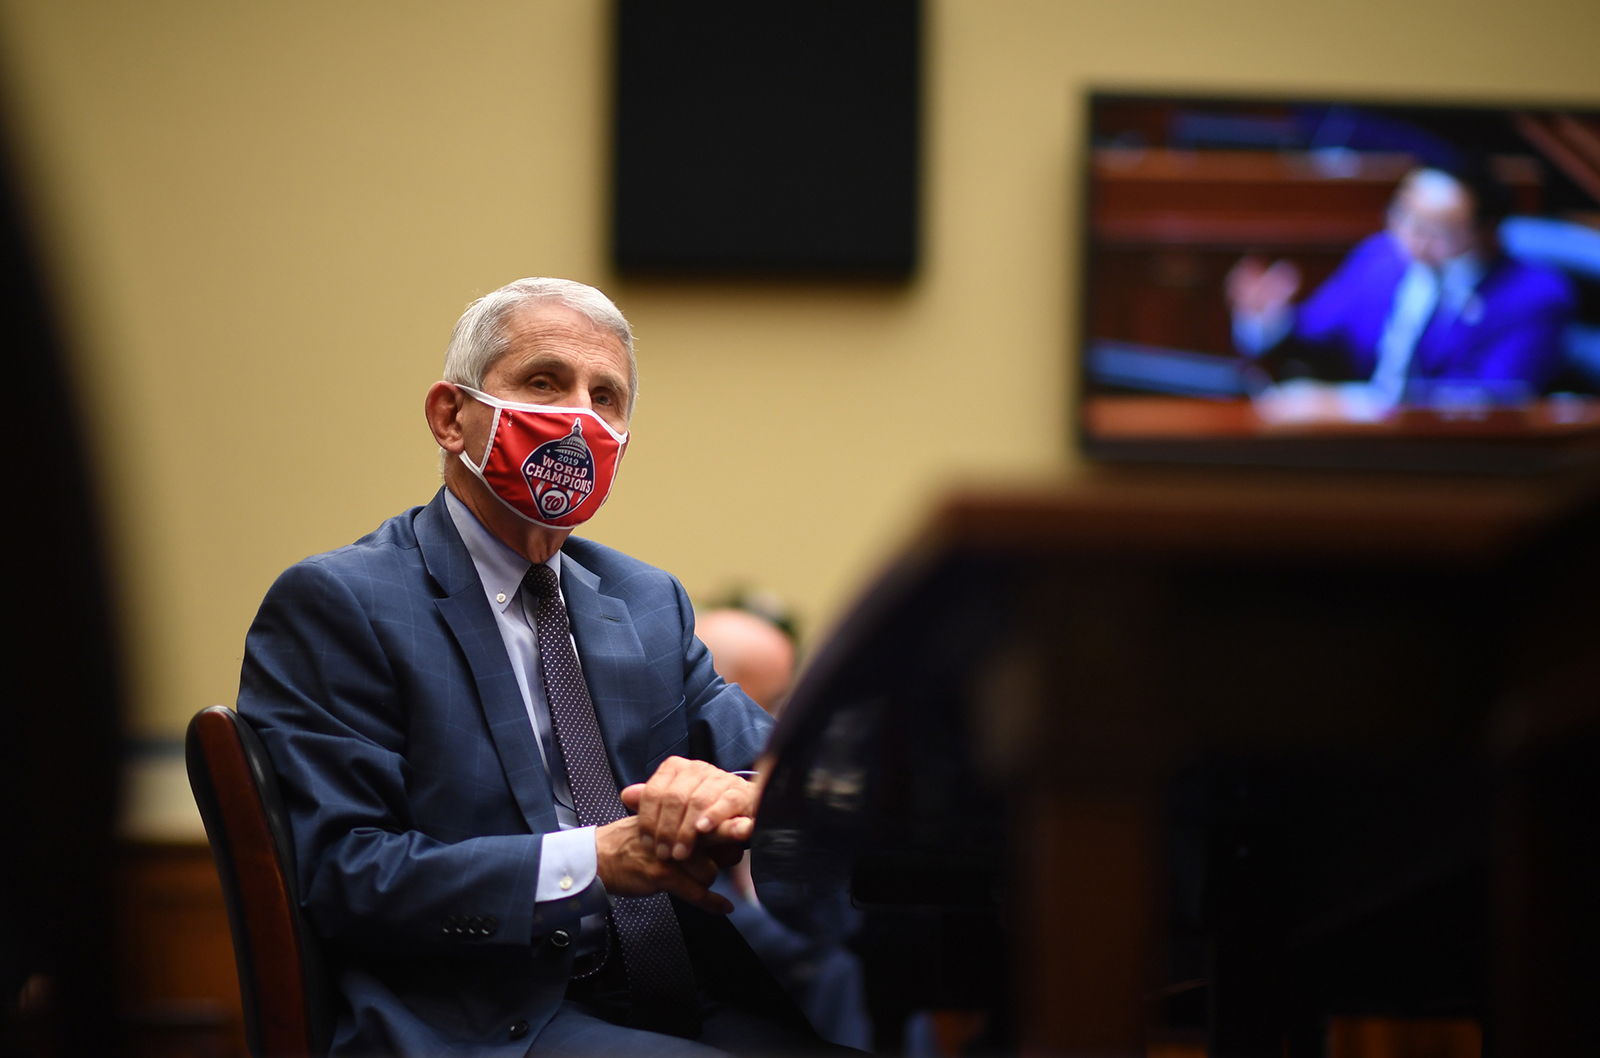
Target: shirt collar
x,y
499,568
1448,288
1460,276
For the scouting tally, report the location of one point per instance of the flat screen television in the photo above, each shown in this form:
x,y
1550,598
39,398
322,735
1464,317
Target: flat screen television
x,y
1340,283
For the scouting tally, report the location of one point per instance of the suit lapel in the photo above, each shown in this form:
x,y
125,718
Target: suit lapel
x,y
1445,349
613,660
467,613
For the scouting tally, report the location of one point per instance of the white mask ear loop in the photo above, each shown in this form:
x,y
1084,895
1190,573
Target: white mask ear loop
x,y
494,429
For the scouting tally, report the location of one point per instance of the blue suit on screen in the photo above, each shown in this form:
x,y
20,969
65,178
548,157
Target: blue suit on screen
x,y
1509,330
418,796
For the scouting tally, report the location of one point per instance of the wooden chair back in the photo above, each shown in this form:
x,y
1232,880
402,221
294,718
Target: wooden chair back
x,y
289,999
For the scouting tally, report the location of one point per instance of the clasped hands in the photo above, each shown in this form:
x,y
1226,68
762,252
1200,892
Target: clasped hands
x,y
691,819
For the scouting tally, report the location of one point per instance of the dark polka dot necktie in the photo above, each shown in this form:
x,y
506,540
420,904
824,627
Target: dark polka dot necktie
x,y
661,982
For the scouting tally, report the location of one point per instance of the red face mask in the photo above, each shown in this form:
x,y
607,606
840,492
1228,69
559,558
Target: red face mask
x,y
551,465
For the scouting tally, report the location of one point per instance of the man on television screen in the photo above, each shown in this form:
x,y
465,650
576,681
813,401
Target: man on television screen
x,y
1428,301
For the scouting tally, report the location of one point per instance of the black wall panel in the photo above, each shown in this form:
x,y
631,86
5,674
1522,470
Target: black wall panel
x,y
769,138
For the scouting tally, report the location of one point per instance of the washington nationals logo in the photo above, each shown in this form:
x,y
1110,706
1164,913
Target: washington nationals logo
x,y
560,473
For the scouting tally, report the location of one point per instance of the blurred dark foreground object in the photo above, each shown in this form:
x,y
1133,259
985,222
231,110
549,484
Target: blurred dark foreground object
x,y
59,706
1245,764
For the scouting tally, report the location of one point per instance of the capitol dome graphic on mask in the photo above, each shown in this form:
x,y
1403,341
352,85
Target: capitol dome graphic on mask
x,y
560,474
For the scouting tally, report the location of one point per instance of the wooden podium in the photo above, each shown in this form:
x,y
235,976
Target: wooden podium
x,y
1216,757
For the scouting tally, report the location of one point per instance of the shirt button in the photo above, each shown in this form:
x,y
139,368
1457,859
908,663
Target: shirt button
x,y
501,597
566,883
519,1029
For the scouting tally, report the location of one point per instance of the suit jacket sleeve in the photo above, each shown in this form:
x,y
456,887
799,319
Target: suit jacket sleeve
x,y
1528,347
318,685
1348,310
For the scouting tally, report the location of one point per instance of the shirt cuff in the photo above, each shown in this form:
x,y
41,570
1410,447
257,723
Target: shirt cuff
x,y
569,880
1254,334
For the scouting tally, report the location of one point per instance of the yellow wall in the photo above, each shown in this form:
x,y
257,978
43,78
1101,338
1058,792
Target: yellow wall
x,y
264,218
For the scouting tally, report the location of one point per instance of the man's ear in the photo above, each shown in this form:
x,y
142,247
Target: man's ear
x,y
442,407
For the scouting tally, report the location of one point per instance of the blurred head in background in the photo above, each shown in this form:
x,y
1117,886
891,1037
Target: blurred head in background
x,y
751,647
1434,217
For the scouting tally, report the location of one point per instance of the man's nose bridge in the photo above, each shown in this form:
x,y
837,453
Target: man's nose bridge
x,y
579,395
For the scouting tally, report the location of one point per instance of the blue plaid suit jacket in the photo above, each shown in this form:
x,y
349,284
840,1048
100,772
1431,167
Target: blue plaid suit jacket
x,y
378,680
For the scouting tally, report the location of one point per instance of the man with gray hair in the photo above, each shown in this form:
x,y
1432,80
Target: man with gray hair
x,y
511,770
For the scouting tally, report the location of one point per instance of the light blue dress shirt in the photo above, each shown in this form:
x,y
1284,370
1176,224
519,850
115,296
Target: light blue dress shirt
x,y
1424,292
569,882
